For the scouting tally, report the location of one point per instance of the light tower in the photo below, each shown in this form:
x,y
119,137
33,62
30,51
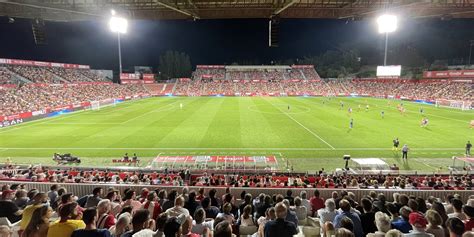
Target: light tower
x,y
118,25
387,24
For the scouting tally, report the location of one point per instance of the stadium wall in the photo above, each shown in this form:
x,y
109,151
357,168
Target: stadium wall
x,y
86,189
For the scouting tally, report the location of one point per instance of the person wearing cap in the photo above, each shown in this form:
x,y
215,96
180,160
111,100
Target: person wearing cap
x,y
455,227
469,221
346,212
418,223
38,201
8,208
280,227
142,225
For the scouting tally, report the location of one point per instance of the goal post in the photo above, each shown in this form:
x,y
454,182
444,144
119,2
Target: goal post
x,y
95,105
456,104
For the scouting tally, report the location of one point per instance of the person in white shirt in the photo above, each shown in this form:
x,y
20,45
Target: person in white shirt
x,y
382,221
305,202
328,213
246,218
178,208
301,211
457,208
200,224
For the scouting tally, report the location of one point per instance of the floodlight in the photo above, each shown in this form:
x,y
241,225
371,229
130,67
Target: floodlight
x,y
118,24
387,23
112,12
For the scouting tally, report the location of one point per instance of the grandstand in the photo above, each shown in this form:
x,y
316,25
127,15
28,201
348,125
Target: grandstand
x,y
262,181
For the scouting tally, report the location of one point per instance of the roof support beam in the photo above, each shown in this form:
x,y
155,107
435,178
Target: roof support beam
x,y
284,7
178,10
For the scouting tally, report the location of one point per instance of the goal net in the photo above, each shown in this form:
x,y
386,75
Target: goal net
x,y
95,105
457,104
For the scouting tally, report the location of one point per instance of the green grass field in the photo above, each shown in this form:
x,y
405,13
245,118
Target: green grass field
x,y
312,134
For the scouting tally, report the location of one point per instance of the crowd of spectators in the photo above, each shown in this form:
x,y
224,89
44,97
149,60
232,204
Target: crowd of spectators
x,y
195,212
415,90
209,73
202,178
50,75
30,97
5,76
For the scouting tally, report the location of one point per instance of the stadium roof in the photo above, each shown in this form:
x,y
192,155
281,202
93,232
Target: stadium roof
x,y
73,10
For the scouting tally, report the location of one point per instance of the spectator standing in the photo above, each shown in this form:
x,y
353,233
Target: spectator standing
x,y
316,202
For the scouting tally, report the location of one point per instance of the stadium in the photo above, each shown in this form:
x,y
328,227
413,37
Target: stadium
x,y
251,118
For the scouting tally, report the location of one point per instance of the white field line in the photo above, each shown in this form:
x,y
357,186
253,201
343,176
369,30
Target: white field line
x,y
79,123
307,129
149,112
228,148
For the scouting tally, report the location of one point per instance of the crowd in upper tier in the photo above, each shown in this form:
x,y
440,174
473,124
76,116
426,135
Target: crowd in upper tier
x,y
29,97
49,75
194,212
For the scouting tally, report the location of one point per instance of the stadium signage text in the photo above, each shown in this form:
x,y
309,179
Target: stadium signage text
x,y
41,64
451,74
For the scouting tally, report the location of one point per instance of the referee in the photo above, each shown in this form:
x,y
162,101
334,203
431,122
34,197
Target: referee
x,y
468,148
405,150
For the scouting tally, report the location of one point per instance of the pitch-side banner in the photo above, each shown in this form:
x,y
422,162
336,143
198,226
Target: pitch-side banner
x,y
210,66
216,159
449,74
41,64
302,66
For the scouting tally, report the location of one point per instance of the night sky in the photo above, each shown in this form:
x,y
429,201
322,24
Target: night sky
x,y
227,41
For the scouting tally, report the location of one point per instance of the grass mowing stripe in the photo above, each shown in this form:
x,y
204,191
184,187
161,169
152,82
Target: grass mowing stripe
x,y
307,129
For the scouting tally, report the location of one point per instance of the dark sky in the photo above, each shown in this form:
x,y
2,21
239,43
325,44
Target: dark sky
x,y
226,41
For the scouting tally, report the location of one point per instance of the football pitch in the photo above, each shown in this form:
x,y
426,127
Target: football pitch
x,y
311,132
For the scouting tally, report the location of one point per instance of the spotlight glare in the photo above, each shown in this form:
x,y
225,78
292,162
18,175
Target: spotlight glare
x,y
118,24
387,23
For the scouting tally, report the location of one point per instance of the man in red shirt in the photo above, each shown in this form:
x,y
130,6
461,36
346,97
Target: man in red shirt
x,y
316,202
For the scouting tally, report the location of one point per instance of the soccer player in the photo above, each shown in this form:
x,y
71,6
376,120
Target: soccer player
x,y
468,148
351,124
383,114
349,110
359,107
288,107
405,150
421,110
367,108
396,143
342,105
180,105
424,122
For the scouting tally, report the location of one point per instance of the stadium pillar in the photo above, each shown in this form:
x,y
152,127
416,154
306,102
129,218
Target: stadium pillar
x,y
386,46
120,54
470,51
